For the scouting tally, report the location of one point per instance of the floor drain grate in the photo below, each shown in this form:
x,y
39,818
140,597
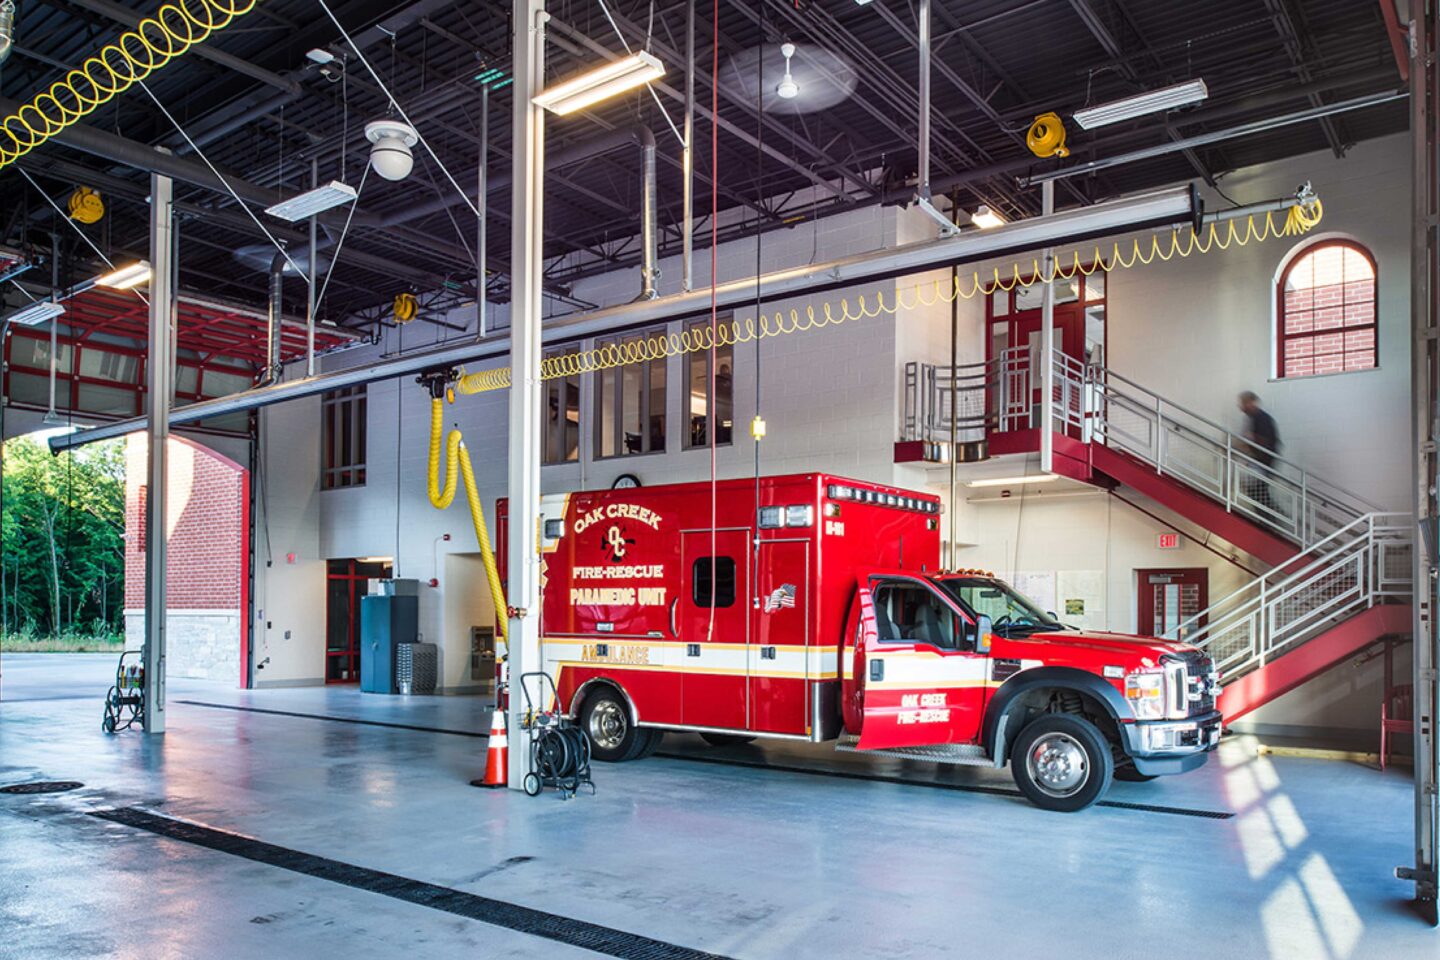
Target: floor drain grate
x,y
43,786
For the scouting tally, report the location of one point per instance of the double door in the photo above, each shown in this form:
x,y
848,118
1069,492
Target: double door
x,y
741,655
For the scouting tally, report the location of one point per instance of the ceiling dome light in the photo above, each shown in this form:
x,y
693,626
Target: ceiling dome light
x,y
391,157
787,88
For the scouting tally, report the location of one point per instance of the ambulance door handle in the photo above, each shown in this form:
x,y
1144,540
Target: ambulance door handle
x,y
674,605
877,669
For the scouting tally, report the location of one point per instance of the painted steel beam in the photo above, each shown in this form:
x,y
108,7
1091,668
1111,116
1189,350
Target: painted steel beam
x,y
1164,208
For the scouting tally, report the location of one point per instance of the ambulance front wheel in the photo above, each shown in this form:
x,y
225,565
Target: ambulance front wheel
x,y
1062,762
605,718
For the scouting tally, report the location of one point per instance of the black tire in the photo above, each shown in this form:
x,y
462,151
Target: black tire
x,y
1062,762
725,739
532,784
605,721
1129,774
652,743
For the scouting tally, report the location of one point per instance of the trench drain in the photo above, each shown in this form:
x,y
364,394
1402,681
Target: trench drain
x,y
42,786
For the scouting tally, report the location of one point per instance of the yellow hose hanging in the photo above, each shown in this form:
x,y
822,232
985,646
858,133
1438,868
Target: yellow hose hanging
x,y
457,456
1298,220
137,53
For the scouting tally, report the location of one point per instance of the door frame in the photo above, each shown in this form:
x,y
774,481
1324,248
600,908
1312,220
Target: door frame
x,y
1145,597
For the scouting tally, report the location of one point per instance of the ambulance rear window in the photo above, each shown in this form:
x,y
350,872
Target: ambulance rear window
x,y
723,581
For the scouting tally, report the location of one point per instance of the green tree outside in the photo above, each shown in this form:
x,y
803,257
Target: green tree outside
x,y
62,547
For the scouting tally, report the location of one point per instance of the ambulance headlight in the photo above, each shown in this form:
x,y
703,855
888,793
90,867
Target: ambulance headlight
x,y
800,516
1145,691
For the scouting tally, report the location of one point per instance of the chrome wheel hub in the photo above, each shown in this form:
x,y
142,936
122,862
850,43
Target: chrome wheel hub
x,y
1058,765
608,725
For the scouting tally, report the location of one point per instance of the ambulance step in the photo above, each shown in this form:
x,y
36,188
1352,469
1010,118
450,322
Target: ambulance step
x,y
958,754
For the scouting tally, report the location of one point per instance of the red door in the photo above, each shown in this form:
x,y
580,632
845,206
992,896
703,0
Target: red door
x,y
713,620
919,680
1169,598
1025,331
779,655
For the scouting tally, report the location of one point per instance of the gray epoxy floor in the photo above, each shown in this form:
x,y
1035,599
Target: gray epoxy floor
x,y
743,862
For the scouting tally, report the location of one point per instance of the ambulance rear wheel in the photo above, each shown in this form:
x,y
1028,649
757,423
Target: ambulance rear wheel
x,y
725,739
1062,762
605,718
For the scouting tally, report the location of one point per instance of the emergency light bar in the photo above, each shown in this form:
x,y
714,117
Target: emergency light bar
x,y
838,491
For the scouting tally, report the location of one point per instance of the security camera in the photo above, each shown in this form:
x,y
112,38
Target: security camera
x,y
390,156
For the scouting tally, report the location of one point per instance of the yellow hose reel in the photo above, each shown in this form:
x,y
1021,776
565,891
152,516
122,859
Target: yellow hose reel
x,y
1046,137
406,307
86,206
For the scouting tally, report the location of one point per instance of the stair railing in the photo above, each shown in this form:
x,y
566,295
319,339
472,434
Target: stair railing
x,y
1096,404
1279,496
1360,565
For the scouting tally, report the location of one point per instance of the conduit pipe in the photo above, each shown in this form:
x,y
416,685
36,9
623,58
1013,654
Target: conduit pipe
x,y
649,222
274,317
1174,207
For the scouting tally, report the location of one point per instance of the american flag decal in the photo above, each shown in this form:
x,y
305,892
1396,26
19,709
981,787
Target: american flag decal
x,y
781,598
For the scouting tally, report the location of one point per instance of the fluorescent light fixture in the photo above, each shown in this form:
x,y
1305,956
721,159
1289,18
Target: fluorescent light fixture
x,y
319,55
1152,101
590,88
985,218
862,3
374,559
311,202
1013,481
126,277
37,313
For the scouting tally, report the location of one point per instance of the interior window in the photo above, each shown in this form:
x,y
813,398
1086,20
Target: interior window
x,y
723,582
909,612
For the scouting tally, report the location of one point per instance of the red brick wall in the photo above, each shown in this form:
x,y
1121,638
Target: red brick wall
x,y
206,524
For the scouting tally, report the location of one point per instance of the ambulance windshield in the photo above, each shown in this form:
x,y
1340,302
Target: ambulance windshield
x,y
1011,615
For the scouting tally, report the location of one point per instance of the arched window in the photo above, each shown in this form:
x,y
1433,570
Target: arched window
x,y
1326,316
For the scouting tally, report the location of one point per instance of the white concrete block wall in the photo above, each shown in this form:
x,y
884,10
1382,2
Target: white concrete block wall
x,y
1199,329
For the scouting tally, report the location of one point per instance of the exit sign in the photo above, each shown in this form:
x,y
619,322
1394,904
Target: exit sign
x,y
1167,541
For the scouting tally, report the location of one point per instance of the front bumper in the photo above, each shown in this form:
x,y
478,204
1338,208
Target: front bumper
x,y
1172,746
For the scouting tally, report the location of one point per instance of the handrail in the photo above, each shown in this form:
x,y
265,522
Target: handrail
x,y
1346,574
1099,405
1110,375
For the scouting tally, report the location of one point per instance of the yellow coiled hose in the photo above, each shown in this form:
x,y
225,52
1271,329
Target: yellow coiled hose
x,y
457,463
137,53
1176,244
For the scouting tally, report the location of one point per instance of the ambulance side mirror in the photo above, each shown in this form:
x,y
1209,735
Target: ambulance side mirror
x,y
983,630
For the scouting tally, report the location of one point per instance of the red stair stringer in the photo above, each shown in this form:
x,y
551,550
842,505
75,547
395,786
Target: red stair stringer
x,y
1313,657
1193,505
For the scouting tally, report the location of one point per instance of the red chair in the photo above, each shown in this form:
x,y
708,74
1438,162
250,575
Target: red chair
x,y
1397,715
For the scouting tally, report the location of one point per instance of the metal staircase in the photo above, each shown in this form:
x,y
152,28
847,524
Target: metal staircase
x,y
1341,575
1341,595
1136,437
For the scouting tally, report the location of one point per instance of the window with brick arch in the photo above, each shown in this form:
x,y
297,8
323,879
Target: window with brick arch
x,y
1327,318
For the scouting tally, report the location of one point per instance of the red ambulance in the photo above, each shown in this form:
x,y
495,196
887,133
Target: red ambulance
x,y
811,607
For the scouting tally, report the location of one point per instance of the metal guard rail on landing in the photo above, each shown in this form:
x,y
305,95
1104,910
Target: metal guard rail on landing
x,y
1098,405
1365,563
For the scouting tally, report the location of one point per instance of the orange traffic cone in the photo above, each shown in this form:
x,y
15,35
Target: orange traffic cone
x,y
497,758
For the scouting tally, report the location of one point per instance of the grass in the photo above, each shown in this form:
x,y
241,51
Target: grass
x,y
27,641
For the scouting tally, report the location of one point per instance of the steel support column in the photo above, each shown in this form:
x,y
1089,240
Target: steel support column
x,y
159,388
527,236
482,198
1424,261
1047,344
